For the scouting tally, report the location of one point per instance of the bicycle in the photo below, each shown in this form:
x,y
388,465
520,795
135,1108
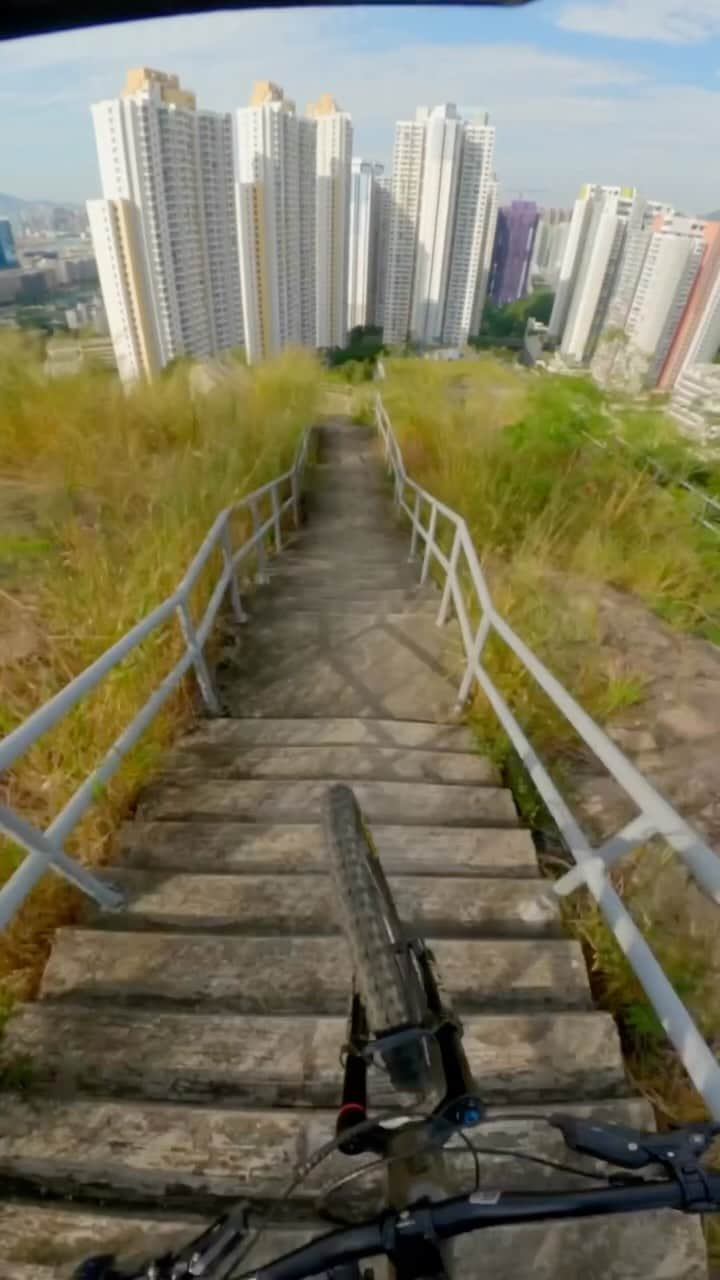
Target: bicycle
x,y
401,1020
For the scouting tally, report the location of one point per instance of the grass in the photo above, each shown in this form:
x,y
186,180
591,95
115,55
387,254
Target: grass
x,y
508,449
112,494
557,521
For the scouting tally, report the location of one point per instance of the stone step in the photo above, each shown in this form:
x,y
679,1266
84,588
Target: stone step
x,y
400,803
280,1061
208,759
311,548
301,573
190,1157
365,600
382,545
654,1246
49,1240
220,847
307,904
296,974
335,731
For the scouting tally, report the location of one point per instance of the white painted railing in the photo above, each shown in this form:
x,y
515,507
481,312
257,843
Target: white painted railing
x,y
464,590
45,849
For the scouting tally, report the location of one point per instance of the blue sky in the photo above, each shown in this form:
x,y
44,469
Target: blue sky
x,y
616,91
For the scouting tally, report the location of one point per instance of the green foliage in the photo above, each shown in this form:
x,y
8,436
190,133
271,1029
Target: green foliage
x,y
364,345
506,324
510,450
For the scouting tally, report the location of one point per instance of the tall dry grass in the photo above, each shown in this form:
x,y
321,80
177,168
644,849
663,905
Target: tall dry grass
x,y
110,497
556,520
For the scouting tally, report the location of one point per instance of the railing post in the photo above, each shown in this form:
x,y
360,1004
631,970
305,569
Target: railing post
x,y
295,490
202,672
42,854
262,568
450,579
399,482
276,519
473,658
429,544
415,523
237,608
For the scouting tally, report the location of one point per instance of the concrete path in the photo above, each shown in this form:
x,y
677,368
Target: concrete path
x,y
184,1053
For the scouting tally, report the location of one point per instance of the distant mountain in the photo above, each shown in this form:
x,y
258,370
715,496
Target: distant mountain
x,y
712,217
15,207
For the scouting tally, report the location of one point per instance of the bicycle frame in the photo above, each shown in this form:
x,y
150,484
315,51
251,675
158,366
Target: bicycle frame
x,y
414,1148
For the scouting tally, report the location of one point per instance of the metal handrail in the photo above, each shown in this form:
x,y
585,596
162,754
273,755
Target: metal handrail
x,y
477,619
46,849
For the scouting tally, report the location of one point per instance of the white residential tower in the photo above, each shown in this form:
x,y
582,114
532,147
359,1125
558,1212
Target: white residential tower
x,y
175,233
332,219
441,201
366,212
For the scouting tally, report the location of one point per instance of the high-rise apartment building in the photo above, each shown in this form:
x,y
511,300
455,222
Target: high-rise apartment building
x,y
405,189
217,185
122,267
512,252
548,248
276,221
697,337
366,200
654,282
582,222
8,255
383,205
441,184
486,254
293,217
167,230
596,241
332,219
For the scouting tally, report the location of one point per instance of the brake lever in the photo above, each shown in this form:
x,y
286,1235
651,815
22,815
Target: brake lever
x,y
633,1148
677,1150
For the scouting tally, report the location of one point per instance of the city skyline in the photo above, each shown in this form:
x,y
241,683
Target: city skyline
x,y
630,110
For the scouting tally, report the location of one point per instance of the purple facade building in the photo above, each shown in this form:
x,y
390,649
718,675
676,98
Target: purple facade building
x,y
514,238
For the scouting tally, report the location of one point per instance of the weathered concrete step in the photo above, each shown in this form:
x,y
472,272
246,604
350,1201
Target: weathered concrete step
x,y
52,1239
207,759
335,731
368,600
654,1246
270,1061
399,803
296,974
452,907
220,847
388,544
312,549
304,573
192,1157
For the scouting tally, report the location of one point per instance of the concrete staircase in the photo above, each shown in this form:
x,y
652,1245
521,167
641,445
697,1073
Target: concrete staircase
x,y
185,1052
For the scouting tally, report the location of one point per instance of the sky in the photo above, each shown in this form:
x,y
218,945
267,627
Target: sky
x,y
611,91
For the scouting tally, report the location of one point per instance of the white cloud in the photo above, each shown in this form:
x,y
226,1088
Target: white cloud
x,y
562,119
668,21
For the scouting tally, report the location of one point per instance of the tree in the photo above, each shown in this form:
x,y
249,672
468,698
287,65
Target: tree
x,y
505,325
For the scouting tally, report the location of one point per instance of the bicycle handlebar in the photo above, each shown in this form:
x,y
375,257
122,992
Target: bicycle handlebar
x,y
437,1222
480,1209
